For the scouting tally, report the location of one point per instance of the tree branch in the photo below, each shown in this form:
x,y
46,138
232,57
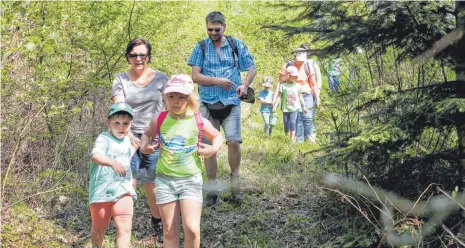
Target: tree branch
x,y
129,21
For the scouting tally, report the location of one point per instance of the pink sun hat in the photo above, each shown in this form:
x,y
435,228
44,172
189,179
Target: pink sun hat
x,y
181,83
292,70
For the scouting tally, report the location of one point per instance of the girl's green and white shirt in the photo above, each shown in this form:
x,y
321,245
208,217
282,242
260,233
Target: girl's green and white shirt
x,y
105,184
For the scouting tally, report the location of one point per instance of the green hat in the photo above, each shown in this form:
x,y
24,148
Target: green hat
x,y
120,107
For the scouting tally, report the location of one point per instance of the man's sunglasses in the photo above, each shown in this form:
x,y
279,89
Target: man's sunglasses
x,y
216,29
135,55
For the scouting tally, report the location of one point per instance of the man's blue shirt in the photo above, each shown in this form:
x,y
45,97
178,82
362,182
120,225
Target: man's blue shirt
x,y
221,66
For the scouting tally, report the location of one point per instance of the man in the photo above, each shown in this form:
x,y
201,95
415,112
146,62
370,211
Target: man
x,y
310,79
216,68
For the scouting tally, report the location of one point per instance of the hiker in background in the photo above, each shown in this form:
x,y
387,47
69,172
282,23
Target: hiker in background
x,y
266,103
334,70
141,87
302,126
310,79
179,179
110,188
292,102
217,62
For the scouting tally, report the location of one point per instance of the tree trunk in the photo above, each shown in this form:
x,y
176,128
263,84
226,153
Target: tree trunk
x,y
460,74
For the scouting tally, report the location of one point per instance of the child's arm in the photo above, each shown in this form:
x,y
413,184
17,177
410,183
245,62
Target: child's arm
x,y
147,146
281,80
276,101
276,92
212,134
98,156
103,160
149,135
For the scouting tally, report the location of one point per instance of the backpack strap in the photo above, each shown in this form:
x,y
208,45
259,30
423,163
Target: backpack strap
x,y
198,121
232,44
125,88
202,45
307,67
233,47
314,70
230,39
160,119
314,66
308,71
289,63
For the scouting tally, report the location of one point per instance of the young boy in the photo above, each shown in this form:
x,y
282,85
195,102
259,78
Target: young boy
x,y
110,189
292,102
266,102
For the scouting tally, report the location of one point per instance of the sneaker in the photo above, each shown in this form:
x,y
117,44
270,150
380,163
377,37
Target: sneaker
x,y
212,200
158,228
237,197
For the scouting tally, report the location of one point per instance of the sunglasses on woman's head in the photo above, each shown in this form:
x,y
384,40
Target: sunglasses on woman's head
x,y
216,29
135,55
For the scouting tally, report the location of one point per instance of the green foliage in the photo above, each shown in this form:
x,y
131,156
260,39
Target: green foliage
x,y
396,125
410,27
391,123
58,63
18,234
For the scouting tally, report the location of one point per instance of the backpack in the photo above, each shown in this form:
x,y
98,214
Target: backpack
x,y
230,39
198,120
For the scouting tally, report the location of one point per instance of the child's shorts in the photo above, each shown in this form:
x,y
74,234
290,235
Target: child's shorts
x,y
169,189
102,212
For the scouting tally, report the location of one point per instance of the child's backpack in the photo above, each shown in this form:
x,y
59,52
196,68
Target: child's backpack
x,y
198,120
230,39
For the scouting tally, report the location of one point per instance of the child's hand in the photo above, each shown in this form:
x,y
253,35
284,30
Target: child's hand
x,y
149,149
118,168
134,141
206,151
305,110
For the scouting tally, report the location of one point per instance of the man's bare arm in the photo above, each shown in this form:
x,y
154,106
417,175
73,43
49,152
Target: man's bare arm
x,y
201,79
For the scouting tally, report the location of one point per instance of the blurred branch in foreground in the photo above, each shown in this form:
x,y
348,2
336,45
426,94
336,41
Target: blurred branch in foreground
x,y
436,208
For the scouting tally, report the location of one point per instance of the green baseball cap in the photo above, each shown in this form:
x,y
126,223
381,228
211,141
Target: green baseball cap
x,y
120,107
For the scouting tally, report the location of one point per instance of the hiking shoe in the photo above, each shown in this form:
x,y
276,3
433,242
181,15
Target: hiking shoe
x,y
212,200
158,228
237,197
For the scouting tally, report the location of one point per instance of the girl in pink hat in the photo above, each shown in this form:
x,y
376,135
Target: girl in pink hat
x,y
178,133
292,102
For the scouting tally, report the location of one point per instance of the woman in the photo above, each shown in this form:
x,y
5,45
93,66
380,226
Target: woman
x,y
309,77
142,88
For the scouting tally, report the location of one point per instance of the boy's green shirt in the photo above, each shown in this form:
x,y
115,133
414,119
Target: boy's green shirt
x,y
105,184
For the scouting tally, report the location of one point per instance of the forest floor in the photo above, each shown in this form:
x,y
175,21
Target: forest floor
x,y
280,194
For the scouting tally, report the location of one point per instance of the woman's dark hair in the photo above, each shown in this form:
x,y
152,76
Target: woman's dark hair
x,y
137,42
